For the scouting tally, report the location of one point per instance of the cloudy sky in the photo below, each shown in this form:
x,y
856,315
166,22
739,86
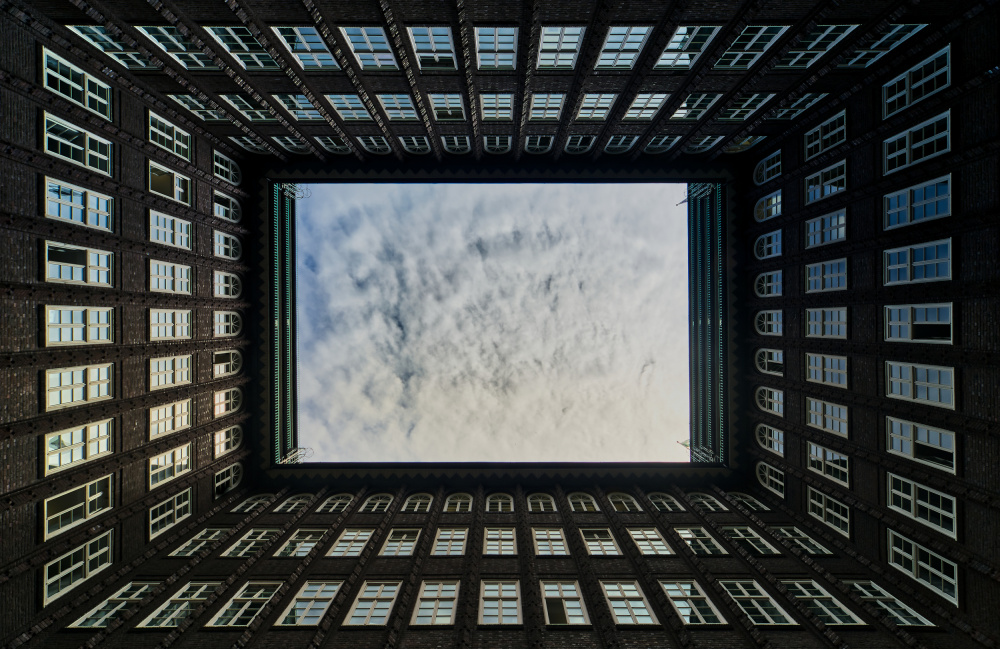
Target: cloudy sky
x,y
492,322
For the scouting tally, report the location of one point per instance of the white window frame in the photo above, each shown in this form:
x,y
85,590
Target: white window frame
x,y
549,541
293,504
767,207
166,277
769,323
162,133
94,325
291,144
649,541
894,264
434,48
600,542
307,46
376,504
300,543
227,324
748,501
828,413
170,465
350,108
905,438
826,369
813,46
546,106
450,542
898,94
226,402
744,52
170,324
76,85
496,595
617,144
226,168
770,361
626,597
541,503
415,144
95,153
351,542
827,135
920,503
692,604
170,371
74,446
820,603
226,246
922,565
78,565
66,387
113,46
756,603
827,276
826,182
418,503
746,537
68,202
581,502
901,385
499,541
768,245
226,285
686,45
334,144
900,327
646,105
771,401
447,106
310,604
660,144
375,144
880,45
700,541
622,46
226,208
255,540
370,607
743,108
79,505
335,504
799,539
496,48
821,321
299,107
500,503
800,105
899,612
696,105
115,605
400,542
768,284
252,503
458,504
208,112
181,188
596,106
826,229
906,149
398,107
828,463
579,144
538,144
241,44
918,203
437,603
169,418
566,598
664,502
227,440
771,478
370,47
559,47
705,503
497,144
767,169
829,511
250,599
623,502
170,512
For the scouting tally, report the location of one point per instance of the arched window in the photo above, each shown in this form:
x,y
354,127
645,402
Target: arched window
x,y
293,504
457,144
620,143
771,478
576,144
291,144
582,503
501,503
227,208
417,144
768,284
227,324
252,503
706,503
747,143
768,207
226,168
496,144
541,503
249,143
458,504
768,323
703,143
376,504
768,245
228,440
334,144
748,501
770,361
376,144
771,439
227,363
665,503
228,479
228,402
335,504
538,144
227,246
623,502
418,503
226,284
770,400
768,168
661,143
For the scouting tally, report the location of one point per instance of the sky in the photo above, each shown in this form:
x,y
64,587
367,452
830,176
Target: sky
x,y
493,322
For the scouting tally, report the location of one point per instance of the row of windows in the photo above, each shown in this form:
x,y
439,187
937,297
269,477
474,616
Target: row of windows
x,y
922,323
74,325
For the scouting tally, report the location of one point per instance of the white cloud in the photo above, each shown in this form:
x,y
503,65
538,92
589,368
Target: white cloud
x,y
493,322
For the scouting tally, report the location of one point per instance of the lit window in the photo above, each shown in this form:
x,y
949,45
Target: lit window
x,y
377,504
74,446
899,612
929,568
538,144
771,478
499,540
699,540
828,370
417,144
436,603
167,466
496,48
70,386
179,47
744,107
768,284
748,501
620,143
768,245
307,47
563,603
398,107
500,602
627,603
349,107
169,371
829,463
168,513
251,144
582,503
769,323
251,111
450,542
768,207
75,325
918,143
169,278
829,510
227,440
169,418
922,323
299,106
623,503
770,361
927,262
771,439
226,284
661,144
799,105
169,230
549,542
826,276
371,47
112,45
79,564
646,105
695,105
649,540
226,402
621,47
577,144
226,245
800,539
541,503
767,169
496,144
246,604
254,541
458,504
596,106
820,603
826,182
923,202
73,83
664,503
76,145
927,384
182,604
227,324
826,323
879,45
449,107
827,416
745,537
811,47
374,603
496,107
919,82
749,46
756,603
78,505
929,506
335,504
546,105
226,208
685,46
334,144
300,543
434,48
77,205
558,47
691,603
826,136
169,184
600,542
310,604
200,108
252,503
418,503
376,144
292,504
168,137
400,543
921,443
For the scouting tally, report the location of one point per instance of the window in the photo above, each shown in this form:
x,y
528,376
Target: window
x,y
167,466
450,542
298,106
771,478
500,503
700,541
767,207
334,144
922,323
398,107
418,503
749,46
433,47
310,604
921,443
377,504
930,76
169,418
772,401
226,168
300,543
541,503
64,78
226,284
748,501
227,324
828,463
200,108
813,46
227,246
933,508
799,539
169,371
742,108
458,504
664,503
770,361
799,106
417,144
226,208
499,540
448,107
577,144
932,570
627,603
563,603
558,47
768,323
169,324
254,541
829,510
497,107
291,144
169,184
436,603
350,108
496,144
179,47
623,503
227,440
546,105
756,603
661,144
76,145
771,439
400,543
596,106
600,542
880,45
646,105
691,603
370,47
745,537
923,202
538,144
246,604
181,605
826,323
73,446
307,47
827,416
77,205
695,105
826,136
374,603
820,603
896,610
826,182
168,137
828,370
706,503
499,602
375,144
767,169
826,276
292,504
549,542
75,385
251,144
496,48
826,229
74,325
582,503
620,143
169,278
649,540
252,503
66,572
335,504
227,479
924,383
168,513
768,284
768,245
621,47
78,505
926,262
918,143
111,45
685,46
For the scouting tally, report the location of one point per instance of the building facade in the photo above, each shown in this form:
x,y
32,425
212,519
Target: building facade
x,y
843,188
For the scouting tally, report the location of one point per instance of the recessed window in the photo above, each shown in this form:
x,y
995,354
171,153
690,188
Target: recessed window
x,y
928,445
767,169
78,505
226,284
558,47
398,107
300,543
749,46
769,323
563,603
582,503
200,108
596,106
745,537
501,503
825,369
620,143
374,603
768,245
73,83
499,540
577,144
73,325
928,384
416,144
227,208
308,48
169,371
829,463
227,324
226,246
169,184
168,513
768,284
496,144
436,603
243,608
645,105
685,46
767,207
705,503
829,510
811,47
538,144
77,205
549,542
168,137
64,573
500,602
546,105
254,541
299,107
540,503
112,45
622,47
827,135
377,504
243,47
448,107
649,540
771,400
825,229
926,140
496,48
77,445
742,108
226,168
755,603
497,106
923,202
169,230
664,503
771,439
771,478
661,144
180,47
770,361
450,542
926,78
691,603
623,503
926,262
335,504
310,604
168,466
920,323
226,402
252,503
896,610
253,113
370,47
292,504
433,47
169,278
695,106
800,105
400,543
375,144
929,568
826,182
826,323
169,418
114,607
699,540
227,440
921,503
827,416
250,143
458,504
627,603
350,543
877,46
350,108
418,503
826,276
820,603
799,539
600,542
748,501
77,145
76,385
334,144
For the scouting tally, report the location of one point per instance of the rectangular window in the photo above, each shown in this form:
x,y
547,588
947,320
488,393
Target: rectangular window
x,y
169,184
559,47
827,135
649,540
827,416
72,325
749,46
66,572
928,384
800,539
246,604
497,107
691,603
400,543
926,262
251,543
919,323
112,608
879,45
447,107
596,105
350,108
828,370
600,542
350,543
930,76
826,182
76,145
78,505
829,510
253,113
169,324
370,47
829,463
75,385
546,105
181,48
300,543
918,143
398,107
307,47
646,105
929,506
199,108
825,229
563,603
73,446
374,603
169,230
243,47
685,46
799,106
744,107
811,47
549,542
932,570
77,205
499,602
746,538
182,605
299,107
826,276
627,603
499,540
433,47
436,603
923,202
167,466
621,47
168,137
169,278
168,513
931,446
695,105
450,542
203,539
700,541
169,418
112,45
826,323
756,603
899,612
81,88
496,48
820,603
310,604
